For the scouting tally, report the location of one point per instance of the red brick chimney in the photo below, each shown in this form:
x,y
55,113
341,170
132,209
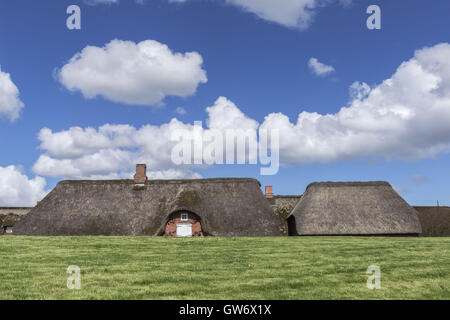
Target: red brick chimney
x,y
141,174
269,192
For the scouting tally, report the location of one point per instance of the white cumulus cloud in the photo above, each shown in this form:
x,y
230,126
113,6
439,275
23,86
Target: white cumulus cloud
x,y
180,111
113,150
141,73
319,68
406,116
10,104
290,13
16,189
297,14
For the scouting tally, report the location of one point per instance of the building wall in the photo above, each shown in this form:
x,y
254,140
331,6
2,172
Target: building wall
x,y
171,226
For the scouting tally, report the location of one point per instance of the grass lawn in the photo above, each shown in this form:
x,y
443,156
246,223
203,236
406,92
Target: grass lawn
x,y
224,268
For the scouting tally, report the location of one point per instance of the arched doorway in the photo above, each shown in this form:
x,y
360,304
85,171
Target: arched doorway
x,y
183,224
292,226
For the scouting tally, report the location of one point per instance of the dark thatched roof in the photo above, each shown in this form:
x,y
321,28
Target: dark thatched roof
x,y
226,207
353,208
435,221
9,216
283,206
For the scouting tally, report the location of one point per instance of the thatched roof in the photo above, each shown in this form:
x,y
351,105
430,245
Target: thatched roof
x,y
353,208
226,207
283,206
9,216
435,221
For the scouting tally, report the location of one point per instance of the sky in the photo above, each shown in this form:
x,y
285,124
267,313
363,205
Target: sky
x,y
349,103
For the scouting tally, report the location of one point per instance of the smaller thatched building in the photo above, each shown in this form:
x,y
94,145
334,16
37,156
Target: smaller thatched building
x,y
282,206
9,216
352,208
435,221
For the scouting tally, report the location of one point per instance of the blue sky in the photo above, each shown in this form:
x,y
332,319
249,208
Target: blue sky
x,y
259,63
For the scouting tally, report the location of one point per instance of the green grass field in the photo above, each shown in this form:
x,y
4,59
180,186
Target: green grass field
x,y
224,268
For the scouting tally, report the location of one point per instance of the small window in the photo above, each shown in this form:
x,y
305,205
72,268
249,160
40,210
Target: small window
x,y
184,217
8,230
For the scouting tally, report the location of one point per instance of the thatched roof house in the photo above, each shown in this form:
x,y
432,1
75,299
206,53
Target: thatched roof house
x,y
282,207
9,216
218,207
352,208
435,221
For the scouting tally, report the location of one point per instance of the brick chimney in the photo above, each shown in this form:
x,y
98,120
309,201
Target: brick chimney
x,y
141,174
269,192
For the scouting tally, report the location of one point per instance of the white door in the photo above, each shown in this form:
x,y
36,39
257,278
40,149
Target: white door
x,y
184,230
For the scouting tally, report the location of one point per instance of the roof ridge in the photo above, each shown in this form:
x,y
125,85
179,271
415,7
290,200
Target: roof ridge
x,y
349,184
158,181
